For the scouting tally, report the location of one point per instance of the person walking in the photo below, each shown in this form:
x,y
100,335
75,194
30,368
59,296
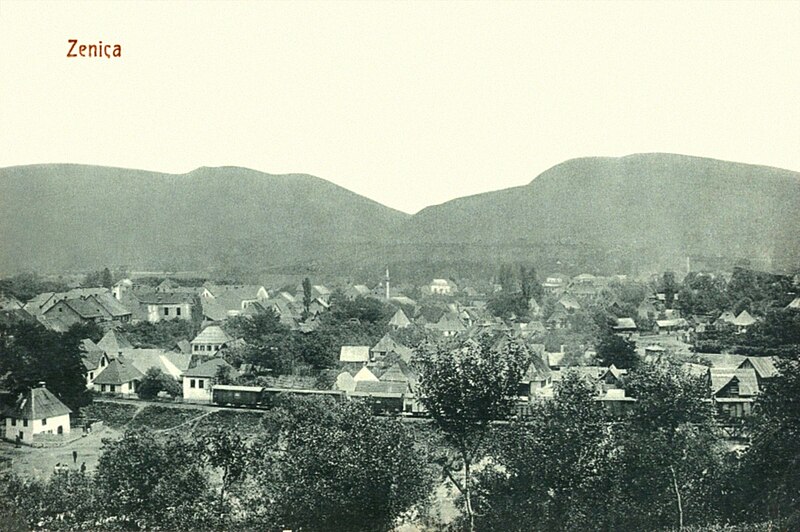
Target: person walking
x,y
74,457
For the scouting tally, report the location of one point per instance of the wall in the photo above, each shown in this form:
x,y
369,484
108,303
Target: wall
x,y
197,393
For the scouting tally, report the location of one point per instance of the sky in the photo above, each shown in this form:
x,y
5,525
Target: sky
x,y
407,103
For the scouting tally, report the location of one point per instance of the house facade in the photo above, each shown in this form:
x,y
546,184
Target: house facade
x,y
36,412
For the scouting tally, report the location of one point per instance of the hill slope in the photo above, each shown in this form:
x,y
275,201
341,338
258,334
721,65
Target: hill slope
x,y
71,216
653,208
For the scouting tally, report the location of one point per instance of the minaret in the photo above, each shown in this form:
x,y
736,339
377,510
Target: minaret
x,y
387,283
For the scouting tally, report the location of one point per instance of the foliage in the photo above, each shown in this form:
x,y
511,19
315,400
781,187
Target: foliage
x,y
614,349
156,381
99,278
25,286
670,287
769,480
228,452
465,385
306,295
339,468
164,417
163,334
30,354
506,306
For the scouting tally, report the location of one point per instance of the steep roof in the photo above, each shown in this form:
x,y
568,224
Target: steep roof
x,y
744,319
721,377
85,308
394,374
118,372
91,359
625,324
722,360
399,320
208,368
364,374
114,342
569,303
165,298
354,353
794,304
111,305
380,387
213,334
38,403
764,366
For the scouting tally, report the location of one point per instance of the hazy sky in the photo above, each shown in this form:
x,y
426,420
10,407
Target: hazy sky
x,y
410,104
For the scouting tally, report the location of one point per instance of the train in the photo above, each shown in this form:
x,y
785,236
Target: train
x,y
263,397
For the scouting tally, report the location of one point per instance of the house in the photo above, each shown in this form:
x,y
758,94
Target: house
x,y
537,377
116,311
364,374
354,353
399,320
36,412
555,283
559,319
94,362
670,325
121,287
210,340
725,317
119,376
569,303
443,287
162,306
646,310
357,290
763,366
448,325
198,381
223,301
733,390
795,304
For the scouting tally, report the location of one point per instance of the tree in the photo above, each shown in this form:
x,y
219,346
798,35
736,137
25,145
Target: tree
x,y
670,287
334,466
306,295
149,482
614,349
550,468
30,354
156,381
505,278
529,284
228,452
465,385
106,279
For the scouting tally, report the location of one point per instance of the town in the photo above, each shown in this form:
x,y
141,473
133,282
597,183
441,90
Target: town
x,y
550,396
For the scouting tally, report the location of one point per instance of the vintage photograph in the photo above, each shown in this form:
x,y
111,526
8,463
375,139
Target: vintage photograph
x,y
373,266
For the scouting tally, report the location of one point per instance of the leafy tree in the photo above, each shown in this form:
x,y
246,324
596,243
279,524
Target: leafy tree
x,y
614,349
25,286
30,354
505,305
147,482
505,278
106,279
465,385
670,287
334,466
529,284
549,471
224,375
769,479
226,451
156,381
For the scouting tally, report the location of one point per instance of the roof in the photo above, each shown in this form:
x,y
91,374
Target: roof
x,y
345,382
38,403
675,322
794,304
213,334
354,353
291,382
114,342
364,374
399,320
208,368
9,302
232,388
111,304
394,374
726,316
169,362
763,366
720,360
91,359
403,300
85,308
569,303
380,387
165,298
625,323
721,377
118,372
744,319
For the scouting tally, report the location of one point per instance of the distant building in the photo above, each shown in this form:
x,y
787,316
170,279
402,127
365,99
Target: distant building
x,y
443,287
163,306
198,381
399,320
354,353
118,377
209,341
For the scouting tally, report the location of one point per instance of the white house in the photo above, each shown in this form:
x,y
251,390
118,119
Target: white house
x,y
37,412
119,376
441,287
198,381
94,362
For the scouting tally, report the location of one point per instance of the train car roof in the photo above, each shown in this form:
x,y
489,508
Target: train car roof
x,y
230,388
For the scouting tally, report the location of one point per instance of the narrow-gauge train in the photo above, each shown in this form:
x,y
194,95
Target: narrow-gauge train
x,y
261,397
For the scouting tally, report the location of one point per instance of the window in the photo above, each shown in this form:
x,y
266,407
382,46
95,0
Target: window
x,y
24,422
113,388
166,311
196,347
178,311
91,375
13,422
191,383
44,421
200,383
102,387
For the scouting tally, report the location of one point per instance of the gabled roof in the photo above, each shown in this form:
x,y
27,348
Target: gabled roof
x,y
165,298
625,324
537,370
722,360
725,317
399,320
38,403
380,388
113,342
345,382
794,304
118,372
744,319
746,377
111,305
209,368
364,374
354,353
9,302
85,308
91,359
403,300
213,334
385,344
569,303
763,366
394,374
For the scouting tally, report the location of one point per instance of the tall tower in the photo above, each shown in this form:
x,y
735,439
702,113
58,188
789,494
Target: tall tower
x,y
387,283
